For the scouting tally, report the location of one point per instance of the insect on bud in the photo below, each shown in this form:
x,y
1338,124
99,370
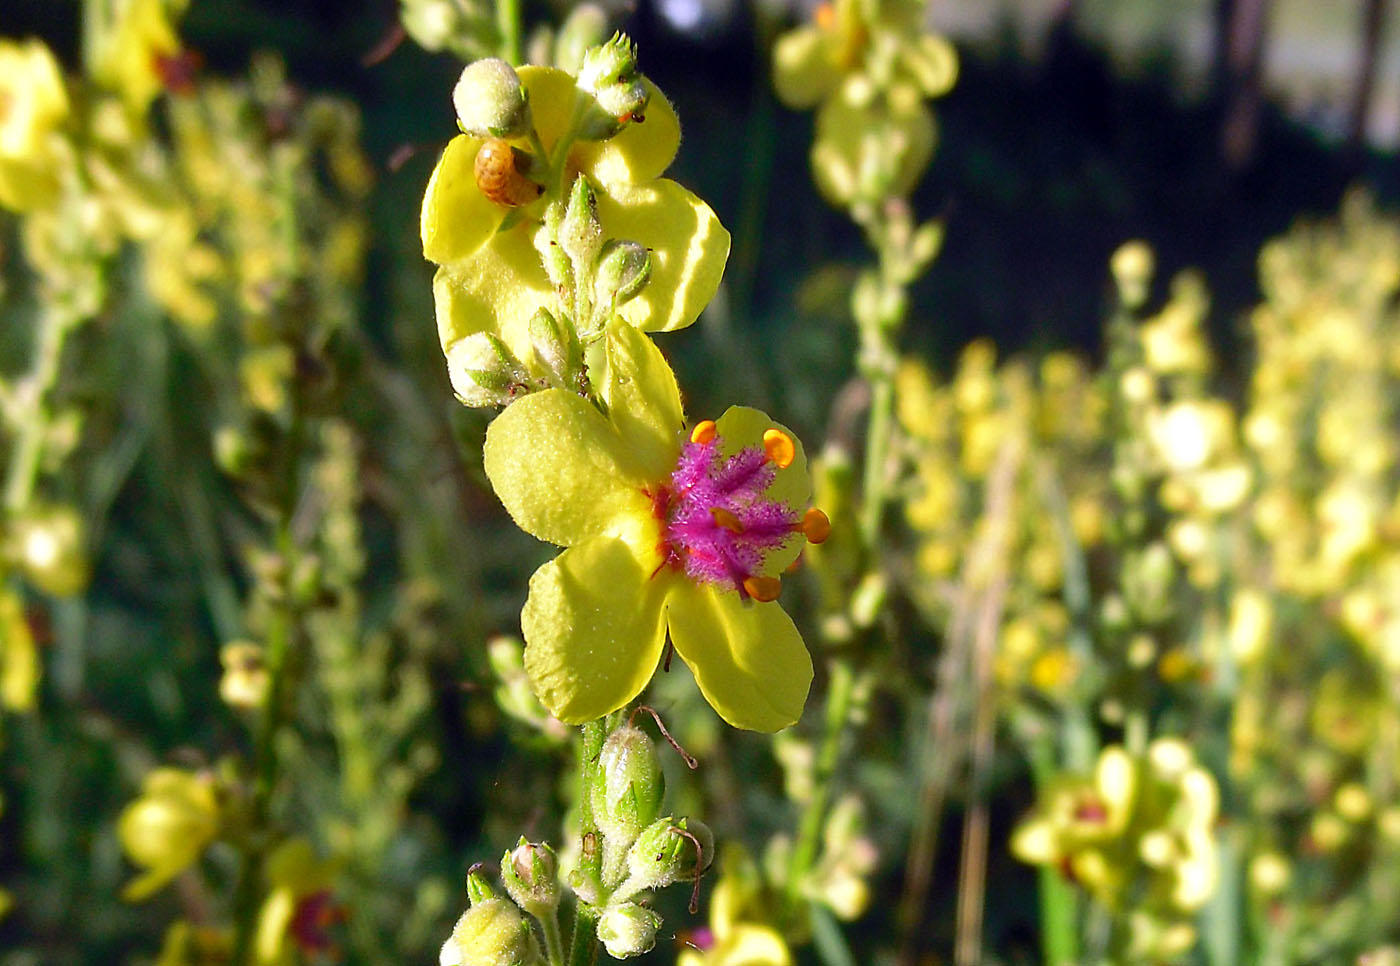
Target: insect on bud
x,y
609,74
531,876
628,930
624,267
484,372
490,101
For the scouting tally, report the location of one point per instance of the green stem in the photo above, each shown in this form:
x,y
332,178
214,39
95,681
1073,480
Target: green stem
x,y
508,22
583,945
838,707
553,942
877,448
32,423
1059,904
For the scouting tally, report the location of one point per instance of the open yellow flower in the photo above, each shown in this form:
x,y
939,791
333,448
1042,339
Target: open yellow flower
x,y
33,105
167,828
491,279
663,531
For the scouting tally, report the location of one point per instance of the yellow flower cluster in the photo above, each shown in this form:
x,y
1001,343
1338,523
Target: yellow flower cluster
x,y
1137,832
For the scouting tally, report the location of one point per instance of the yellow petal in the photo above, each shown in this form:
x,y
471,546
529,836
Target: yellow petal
x,y
743,426
747,657
688,245
594,628
495,290
457,218
643,400
564,474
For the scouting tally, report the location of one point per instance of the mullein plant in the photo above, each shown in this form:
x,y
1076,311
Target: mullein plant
x,y
559,247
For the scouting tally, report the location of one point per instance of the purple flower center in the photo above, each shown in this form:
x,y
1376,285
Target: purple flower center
x,y
717,523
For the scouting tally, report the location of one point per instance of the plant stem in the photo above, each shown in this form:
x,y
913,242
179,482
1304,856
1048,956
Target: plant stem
x,y
508,22
1059,904
553,943
32,423
838,707
877,448
583,945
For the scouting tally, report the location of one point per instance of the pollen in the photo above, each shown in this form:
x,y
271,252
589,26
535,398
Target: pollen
x,y
704,432
727,519
816,525
779,447
824,16
763,589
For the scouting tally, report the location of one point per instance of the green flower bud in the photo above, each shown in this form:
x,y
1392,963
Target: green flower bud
x,y
626,794
492,933
531,876
556,349
624,268
628,930
47,542
478,889
609,75
580,232
668,851
490,101
484,372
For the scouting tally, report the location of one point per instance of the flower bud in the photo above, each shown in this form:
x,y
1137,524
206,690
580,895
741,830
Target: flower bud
x,y
624,267
668,851
484,372
609,74
478,889
580,232
490,100
531,876
556,349
48,542
628,930
244,684
492,933
627,790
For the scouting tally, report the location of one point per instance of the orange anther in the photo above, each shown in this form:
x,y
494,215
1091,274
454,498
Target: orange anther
x,y
763,589
726,519
824,16
703,432
779,447
816,526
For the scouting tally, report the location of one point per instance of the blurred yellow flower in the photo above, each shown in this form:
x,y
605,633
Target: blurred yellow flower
x,y
33,107
134,45
167,828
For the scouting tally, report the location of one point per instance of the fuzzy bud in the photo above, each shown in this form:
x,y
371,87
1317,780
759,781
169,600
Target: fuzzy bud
x,y
490,100
484,372
628,930
556,349
624,267
580,232
609,74
492,933
478,889
531,876
668,851
628,787
586,26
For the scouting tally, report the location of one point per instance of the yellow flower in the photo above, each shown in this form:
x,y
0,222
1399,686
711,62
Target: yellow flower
x,y
19,659
33,106
299,910
134,41
662,531
491,279
731,940
167,828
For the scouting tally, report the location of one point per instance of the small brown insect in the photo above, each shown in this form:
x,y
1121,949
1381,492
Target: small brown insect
x,y
499,175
